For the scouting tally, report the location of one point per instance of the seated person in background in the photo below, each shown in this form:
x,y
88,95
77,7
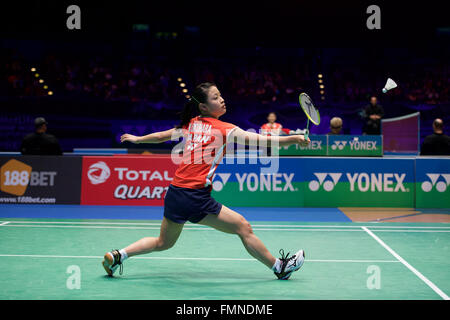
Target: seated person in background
x,y
335,125
437,143
271,128
373,114
39,142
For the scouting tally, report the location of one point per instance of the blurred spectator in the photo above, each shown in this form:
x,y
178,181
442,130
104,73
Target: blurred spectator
x,y
271,128
335,126
263,79
373,113
437,143
39,142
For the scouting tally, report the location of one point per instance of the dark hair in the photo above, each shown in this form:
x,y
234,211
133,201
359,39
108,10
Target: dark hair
x,y
190,109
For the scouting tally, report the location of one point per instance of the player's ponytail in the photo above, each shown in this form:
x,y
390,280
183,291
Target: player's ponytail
x,y
190,109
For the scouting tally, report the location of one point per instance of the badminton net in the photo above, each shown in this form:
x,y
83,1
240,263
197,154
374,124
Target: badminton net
x,y
401,134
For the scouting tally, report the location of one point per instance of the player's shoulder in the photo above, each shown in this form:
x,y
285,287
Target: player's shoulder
x,y
212,124
221,124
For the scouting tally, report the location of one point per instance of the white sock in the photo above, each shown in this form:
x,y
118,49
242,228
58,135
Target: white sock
x,y
123,255
277,265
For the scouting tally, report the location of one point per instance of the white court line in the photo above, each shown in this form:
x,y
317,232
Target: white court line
x,y
410,267
185,228
324,228
87,223
253,225
189,258
432,231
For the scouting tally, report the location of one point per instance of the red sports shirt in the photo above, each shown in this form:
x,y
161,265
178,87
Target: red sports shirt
x,y
205,146
271,129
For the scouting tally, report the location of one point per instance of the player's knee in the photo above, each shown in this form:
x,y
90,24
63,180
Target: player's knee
x,y
164,244
245,229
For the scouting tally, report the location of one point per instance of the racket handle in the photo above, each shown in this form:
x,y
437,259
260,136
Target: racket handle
x,y
306,135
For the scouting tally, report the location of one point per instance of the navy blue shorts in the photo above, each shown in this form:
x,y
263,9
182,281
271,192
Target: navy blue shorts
x,y
183,204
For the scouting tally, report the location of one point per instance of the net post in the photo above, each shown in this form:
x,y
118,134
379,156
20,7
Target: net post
x,y
418,134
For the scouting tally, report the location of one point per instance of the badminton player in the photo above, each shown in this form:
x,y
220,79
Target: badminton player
x,y
189,195
271,127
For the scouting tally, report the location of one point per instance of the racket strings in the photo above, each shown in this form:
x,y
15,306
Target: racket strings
x,y
309,108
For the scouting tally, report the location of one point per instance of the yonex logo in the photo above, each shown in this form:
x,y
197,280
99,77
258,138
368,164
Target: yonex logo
x,y
383,182
328,185
218,185
277,182
441,186
354,144
98,172
338,145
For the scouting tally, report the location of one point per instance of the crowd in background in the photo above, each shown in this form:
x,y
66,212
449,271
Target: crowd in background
x,y
17,80
140,87
262,81
426,84
247,79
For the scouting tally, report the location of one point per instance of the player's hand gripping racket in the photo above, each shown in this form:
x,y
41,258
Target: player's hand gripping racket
x,y
311,112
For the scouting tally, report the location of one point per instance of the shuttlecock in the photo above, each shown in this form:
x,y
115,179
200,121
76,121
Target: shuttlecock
x,y
390,84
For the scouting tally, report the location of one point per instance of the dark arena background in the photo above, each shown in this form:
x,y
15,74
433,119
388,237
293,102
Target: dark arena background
x,y
368,201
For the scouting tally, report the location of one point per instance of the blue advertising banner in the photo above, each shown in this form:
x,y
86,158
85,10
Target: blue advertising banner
x,y
432,183
316,182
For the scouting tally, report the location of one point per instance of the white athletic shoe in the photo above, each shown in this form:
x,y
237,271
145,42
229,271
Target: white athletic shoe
x,y
290,264
111,262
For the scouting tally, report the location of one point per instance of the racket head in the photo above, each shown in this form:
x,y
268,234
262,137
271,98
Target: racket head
x,y
308,107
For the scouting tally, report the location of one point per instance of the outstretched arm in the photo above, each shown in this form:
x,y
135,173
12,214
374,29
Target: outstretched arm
x,y
255,139
156,137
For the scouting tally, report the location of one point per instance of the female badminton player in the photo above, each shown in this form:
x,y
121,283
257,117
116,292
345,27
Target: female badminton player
x,y
189,195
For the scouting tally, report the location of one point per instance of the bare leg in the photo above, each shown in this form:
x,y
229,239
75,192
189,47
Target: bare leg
x,y
170,231
232,222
